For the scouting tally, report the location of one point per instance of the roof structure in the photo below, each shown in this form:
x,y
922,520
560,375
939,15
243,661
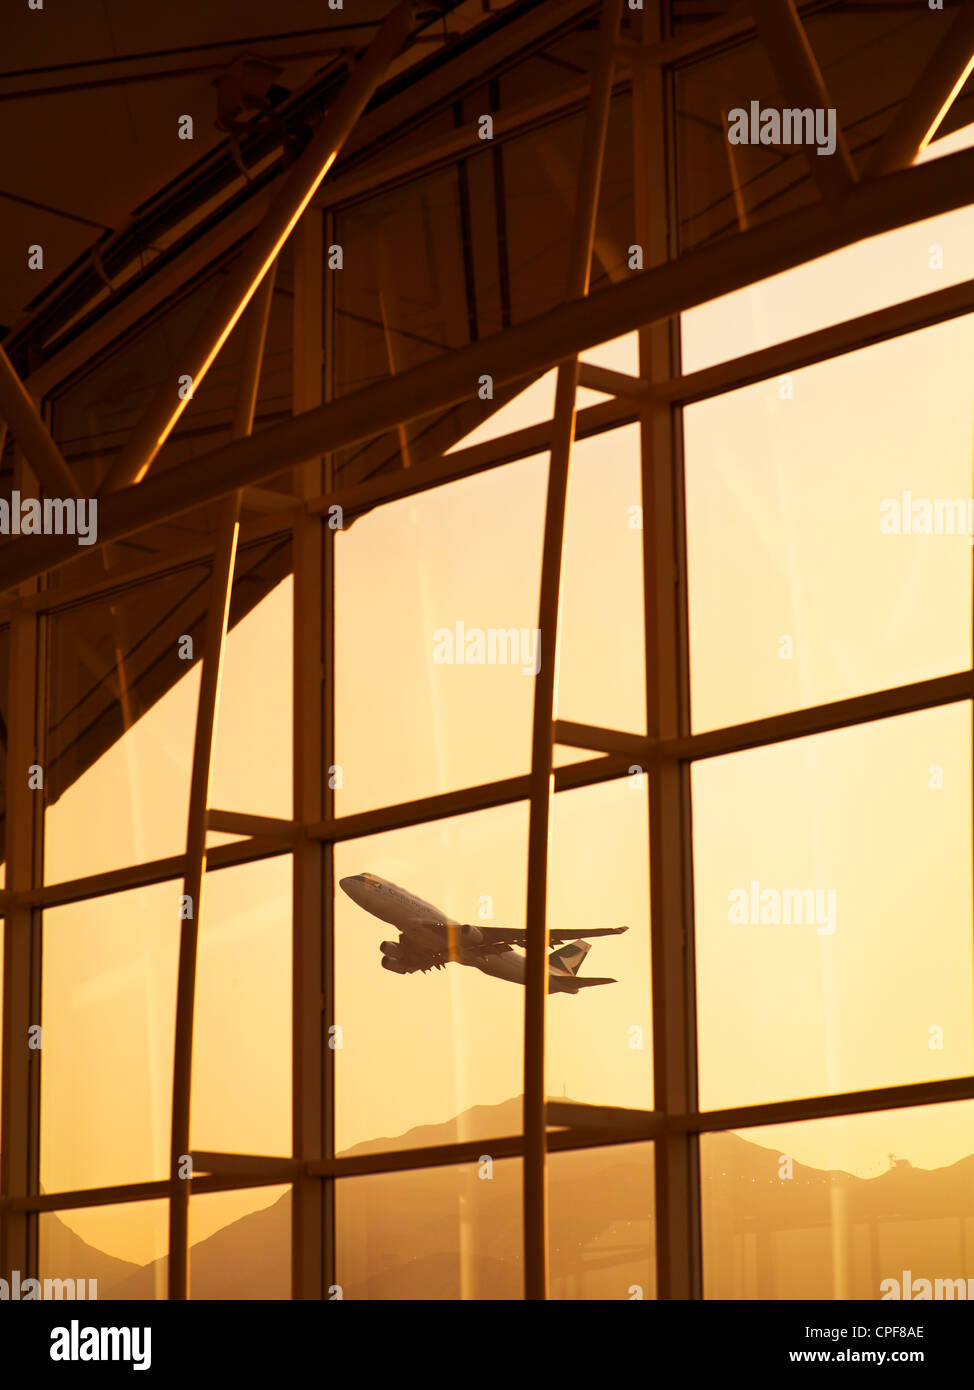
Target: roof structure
x,y
262,263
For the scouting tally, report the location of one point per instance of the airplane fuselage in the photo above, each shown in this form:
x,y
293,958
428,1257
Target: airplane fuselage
x,y
433,933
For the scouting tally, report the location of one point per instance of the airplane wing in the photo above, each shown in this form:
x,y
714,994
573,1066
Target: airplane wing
x,y
405,957
503,936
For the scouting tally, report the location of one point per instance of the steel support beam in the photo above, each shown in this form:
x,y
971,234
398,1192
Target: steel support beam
x,y
19,1158
542,747
130,1192
613,383
262,249
230,1165
806,722
803,86
261,827
618,1126
896,200
169,279
218,614
783,1112
139,68
791,355
180,265
23,419
419,158
933,94
312,1212
738,23
142,875
664,586
620,748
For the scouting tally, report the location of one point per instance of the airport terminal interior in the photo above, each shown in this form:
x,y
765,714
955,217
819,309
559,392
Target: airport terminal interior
x,y
486,531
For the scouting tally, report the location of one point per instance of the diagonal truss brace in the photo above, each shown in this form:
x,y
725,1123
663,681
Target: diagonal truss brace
x,y
261,250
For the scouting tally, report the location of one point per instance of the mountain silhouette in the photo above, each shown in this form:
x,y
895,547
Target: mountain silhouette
x,y
65,1255
772,1228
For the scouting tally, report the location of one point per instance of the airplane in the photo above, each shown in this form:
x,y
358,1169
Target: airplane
x,y
429,939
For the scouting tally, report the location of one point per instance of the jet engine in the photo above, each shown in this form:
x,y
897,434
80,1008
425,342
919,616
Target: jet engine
x,y
396,965
390,948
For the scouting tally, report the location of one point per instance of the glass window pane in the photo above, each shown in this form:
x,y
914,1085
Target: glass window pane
x,y
602,1223
536,403
109,1006
253,755
432,1233
436,612
241,1098
600,1041
833,911
121,1246
532,406
123,692
869,275
877,1206
450,1233
801,590
240,1244
424,1052
602,671
121,714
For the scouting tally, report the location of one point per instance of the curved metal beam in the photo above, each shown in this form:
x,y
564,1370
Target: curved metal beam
x,y
542,741
221,584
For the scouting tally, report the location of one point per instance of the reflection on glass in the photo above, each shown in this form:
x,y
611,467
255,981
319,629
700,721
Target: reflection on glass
x,y
241,1098
240,1244
122,1247
108,1014
833,911
877,1206
602,1223
810,580
433,1233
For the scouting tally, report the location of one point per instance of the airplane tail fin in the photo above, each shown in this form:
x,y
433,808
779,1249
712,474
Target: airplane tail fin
x,y
567,959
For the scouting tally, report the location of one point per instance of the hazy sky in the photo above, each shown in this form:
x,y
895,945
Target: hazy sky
x,y
784,490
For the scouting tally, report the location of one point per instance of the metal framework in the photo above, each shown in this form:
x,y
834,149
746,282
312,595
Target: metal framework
x,y
890,195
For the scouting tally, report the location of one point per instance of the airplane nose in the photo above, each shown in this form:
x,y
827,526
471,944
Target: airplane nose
x,y
349,882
